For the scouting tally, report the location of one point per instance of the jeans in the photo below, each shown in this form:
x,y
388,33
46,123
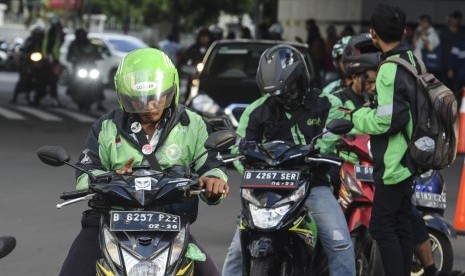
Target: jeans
x,y
332,233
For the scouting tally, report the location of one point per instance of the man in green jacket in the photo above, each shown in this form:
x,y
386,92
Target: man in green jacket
x,y
389,124
147,86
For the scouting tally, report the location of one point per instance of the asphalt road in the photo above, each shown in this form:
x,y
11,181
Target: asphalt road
x,y
29,191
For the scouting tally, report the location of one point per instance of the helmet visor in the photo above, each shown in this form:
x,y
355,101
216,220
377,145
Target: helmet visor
x,y
146,91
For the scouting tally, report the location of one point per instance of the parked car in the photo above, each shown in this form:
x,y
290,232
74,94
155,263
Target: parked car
x,y
227,74
113,48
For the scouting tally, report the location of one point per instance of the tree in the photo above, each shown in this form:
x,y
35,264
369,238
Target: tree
x,y
188,13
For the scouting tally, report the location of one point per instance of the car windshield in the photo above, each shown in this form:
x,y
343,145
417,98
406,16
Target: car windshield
x,y
125,45
235,61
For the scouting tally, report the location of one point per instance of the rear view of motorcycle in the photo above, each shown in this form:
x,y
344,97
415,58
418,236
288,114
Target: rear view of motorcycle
x,y
85,85
142,237
278,236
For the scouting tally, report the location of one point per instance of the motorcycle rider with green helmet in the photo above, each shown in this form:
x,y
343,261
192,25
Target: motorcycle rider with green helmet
x,y
147,86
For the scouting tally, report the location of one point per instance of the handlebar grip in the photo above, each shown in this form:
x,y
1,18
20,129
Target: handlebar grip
x,y
75,194
331,157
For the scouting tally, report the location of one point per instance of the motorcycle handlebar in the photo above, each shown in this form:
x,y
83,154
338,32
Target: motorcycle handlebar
x,y
75,194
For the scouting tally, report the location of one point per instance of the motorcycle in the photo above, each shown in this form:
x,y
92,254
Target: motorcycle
x,y
7,244
278,236
85,85
141,237
33,76
356,199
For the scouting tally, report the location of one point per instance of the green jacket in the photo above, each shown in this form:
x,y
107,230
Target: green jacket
x,y
110,145
390,123
266,120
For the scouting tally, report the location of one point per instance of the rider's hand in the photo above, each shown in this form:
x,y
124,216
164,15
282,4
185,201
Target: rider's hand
x,y
214,187
126,169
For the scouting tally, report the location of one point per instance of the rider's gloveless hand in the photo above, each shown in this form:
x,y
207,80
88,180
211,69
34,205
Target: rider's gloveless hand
x,y
127,168
214,187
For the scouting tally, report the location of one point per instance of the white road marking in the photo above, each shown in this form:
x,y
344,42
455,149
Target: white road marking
x,y
39,113
10,114
77,116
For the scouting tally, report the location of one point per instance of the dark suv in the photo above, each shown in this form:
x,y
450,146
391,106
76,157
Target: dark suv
x,y
228,73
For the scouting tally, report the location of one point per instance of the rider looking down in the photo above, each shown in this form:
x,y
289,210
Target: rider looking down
x,y
147,86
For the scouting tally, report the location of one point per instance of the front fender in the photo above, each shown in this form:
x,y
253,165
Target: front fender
x,y
359,216
438,223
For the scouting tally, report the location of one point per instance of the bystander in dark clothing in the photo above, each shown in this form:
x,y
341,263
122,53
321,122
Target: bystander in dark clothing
x,y
449,38
315,42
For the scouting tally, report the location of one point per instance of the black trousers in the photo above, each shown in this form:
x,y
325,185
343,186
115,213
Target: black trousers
x,y
391,226
85,252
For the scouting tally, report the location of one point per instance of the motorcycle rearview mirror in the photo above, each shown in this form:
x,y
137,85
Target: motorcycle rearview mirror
x,y
336,126
57,156
217,141
220,140
53,156
339,126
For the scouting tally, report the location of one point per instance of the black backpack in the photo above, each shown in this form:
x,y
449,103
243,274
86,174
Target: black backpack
x,y
434,139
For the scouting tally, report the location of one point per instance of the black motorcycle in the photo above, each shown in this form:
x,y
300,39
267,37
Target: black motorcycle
x,y
33,76
278,237
141,237
85,85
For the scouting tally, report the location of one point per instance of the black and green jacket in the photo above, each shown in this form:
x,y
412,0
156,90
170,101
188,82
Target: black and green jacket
x,y
390,125
266,120
110,145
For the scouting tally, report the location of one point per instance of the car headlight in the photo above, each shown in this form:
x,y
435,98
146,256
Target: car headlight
x,y
94,74
205,104
111,246
294,197
267,217
136,267
82,73
247,194
178,246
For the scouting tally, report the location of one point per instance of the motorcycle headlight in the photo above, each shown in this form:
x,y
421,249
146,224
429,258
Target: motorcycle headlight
x,y
247,194
178,246
205,104
94,74
294,197
267,217
111,246
82,73
352,185
155,267
36,56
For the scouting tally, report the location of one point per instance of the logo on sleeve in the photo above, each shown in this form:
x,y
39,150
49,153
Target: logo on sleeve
x,y
86,159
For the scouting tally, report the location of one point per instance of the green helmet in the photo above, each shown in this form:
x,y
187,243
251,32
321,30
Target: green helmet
x,y
144,77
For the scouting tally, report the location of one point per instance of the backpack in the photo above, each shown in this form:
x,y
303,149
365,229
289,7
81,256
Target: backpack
x,y
433,144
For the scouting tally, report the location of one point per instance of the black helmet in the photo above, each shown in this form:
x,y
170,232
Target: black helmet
x,y
338,49
282,72
216,31
360,55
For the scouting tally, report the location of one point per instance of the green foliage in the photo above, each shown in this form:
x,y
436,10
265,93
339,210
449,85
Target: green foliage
x,y
188,13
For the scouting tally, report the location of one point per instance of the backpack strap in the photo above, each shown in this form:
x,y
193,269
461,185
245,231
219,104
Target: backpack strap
x,y
406,65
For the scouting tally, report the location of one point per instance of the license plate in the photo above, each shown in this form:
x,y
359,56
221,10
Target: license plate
x,y
256,179
143,221
430,200
364,173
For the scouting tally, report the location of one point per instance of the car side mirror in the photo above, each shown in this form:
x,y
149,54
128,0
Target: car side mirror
x,y
53,156
340,126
